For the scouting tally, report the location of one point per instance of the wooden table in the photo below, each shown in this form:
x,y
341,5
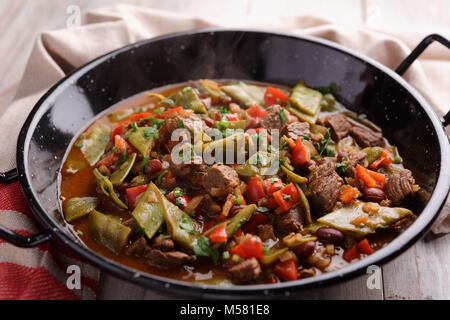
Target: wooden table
x,y
422,272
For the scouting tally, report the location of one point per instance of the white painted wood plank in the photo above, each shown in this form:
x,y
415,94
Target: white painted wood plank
x,y
423,272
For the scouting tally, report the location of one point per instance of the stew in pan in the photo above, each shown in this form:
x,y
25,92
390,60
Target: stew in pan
x,y
231,182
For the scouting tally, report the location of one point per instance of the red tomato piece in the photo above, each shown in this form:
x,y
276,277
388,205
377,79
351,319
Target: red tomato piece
x,y
286,197
250,248
219,235
133,193
275,96
255,190
252,225
287,270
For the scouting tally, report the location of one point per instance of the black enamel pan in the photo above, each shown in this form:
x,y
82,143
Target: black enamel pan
x,y
368,88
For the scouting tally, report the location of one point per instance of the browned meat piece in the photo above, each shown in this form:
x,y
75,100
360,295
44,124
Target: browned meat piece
x,y
323,186
306,273
366,137
192,171
167,260
399,186
296,130
178,122
131,223
290,221
246,271
220,180
162,243
138,247
339,125
272,120
351,156
265,232
209,206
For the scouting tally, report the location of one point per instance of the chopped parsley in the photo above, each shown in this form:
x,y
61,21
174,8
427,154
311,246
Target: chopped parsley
x,y
151,132
287,197
145,163
79,145
123,158
341,169
262,209
178,192
134,126
225,255
322,145
283,117
181,124
332,88
203,249
158,111
186,224
307,137
398,160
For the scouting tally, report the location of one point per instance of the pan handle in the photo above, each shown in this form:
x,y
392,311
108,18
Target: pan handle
x,y
15,238
401,69
10,176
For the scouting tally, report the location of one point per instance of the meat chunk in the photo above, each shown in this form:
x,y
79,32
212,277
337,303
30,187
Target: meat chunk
x,y
290,221
178,122
399,185
246,271
306,273
208,206
163,243
339,125
323,186
272,120
131,223
138,247
167,260
193,170
265,232
220,180
366,137
296,130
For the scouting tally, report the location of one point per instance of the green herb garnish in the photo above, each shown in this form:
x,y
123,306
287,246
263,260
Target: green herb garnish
x,y
203,249
283,117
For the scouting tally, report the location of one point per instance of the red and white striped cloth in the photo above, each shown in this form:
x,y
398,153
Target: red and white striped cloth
x,y
36,273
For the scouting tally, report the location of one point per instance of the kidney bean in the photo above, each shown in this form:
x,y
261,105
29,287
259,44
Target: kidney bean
x,y
123,186
373,194
154,166
329,235
342,155
208,121
305,249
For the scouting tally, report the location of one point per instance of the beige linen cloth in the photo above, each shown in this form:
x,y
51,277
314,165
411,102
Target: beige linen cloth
x,y
58,52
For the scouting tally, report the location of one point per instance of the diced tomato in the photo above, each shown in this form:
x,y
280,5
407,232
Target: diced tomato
x,y
133,193
364,247
384,160
252,225
271,202
239,233
232,117
120,143
351,254
255,190
139,116
272,185
371,178
119,129
348,194
181,201
174,110
256,112
108,160
287,270
275,96
286,197
250,248
299,154
219,235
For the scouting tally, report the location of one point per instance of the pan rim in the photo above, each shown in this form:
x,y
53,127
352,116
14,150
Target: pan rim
x,y
396,247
